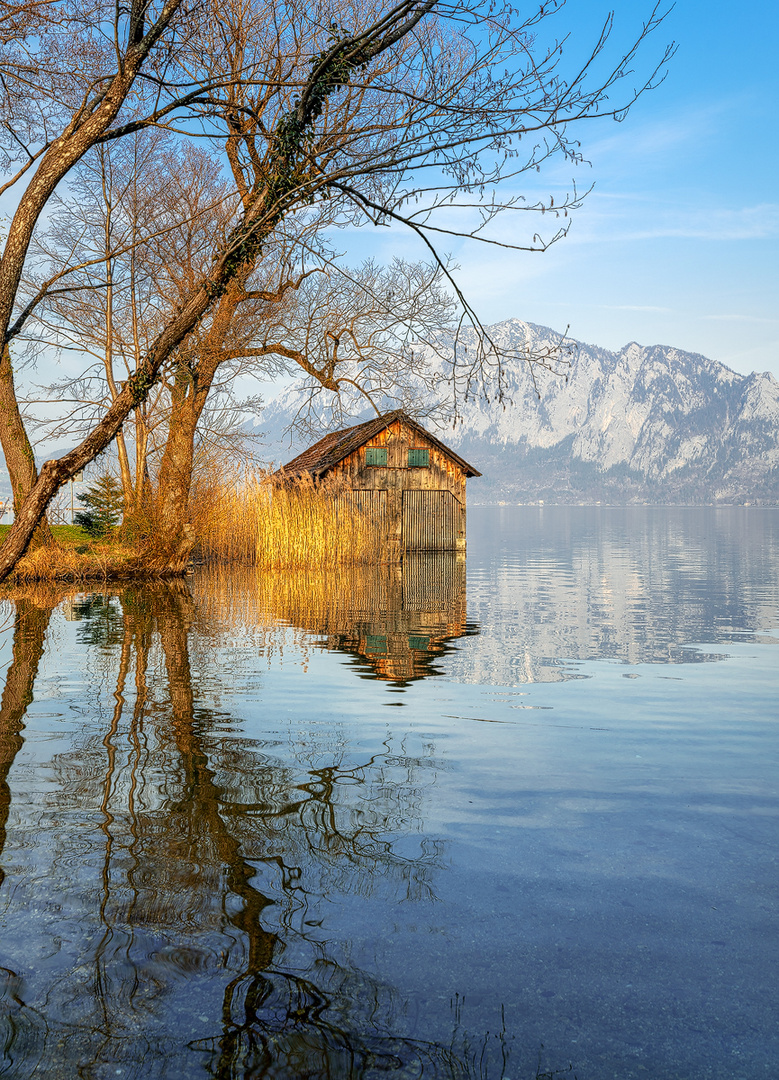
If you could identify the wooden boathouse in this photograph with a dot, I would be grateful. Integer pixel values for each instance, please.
(400, 474)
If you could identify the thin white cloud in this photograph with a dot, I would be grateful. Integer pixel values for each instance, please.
(687, 126)
(739, 318)
(601, 221)
(635, 307)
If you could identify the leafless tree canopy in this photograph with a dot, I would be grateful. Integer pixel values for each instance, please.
(341, 112)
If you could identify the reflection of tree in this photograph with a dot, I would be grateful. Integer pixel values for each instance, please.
(31, 620)
(101, 620)
(192, 875)
(276, 1022)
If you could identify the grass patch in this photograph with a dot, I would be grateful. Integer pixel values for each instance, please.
(70, 535)
(75, 556)
(63, 534)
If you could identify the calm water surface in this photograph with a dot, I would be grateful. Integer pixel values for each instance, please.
(374, 824)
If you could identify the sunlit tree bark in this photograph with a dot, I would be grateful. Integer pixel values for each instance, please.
(17, 449)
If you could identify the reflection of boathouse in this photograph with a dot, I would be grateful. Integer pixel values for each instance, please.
(401, 475)
(394, 620)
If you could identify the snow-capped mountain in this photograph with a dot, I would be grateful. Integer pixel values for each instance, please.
(647, 423)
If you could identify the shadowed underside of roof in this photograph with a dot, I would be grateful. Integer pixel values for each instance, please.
(333, 448)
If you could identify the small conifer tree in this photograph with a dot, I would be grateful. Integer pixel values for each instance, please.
(105, 504)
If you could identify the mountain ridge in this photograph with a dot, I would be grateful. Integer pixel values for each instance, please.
(641, 424)
(645, 423)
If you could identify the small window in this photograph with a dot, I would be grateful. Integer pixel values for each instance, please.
(376, 455)
(418, 457)
(419, 642)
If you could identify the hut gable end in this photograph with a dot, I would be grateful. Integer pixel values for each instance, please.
(403, 456)
(400, 472)
(396, 429)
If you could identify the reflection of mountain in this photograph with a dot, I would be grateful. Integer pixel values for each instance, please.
(170, 914)
(395, 621)
(639, 585)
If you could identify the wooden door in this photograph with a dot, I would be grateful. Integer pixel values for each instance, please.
(431, 520)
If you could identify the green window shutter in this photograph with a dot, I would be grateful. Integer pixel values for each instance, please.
(418, 457)
(376, 643)
(376, 455)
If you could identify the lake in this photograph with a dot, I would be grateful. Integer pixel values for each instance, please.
(503, 818)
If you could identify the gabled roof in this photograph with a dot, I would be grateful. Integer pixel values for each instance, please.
(331, 450)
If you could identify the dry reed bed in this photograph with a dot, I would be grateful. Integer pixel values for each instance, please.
(273, 526)
(257, 523)
(63, 563)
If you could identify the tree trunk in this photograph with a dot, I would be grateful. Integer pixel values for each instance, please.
(141, 460)
(19, 457)
(175, 477)
(128, 490)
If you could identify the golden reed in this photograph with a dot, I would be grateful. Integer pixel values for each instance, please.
(255, 522)
(275, 526)
(62, 562)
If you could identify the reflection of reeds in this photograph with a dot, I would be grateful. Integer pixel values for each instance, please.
(44, 594)
(397, 617)
(426, 590)
(333, 600)
(304, 524)
(330, 600)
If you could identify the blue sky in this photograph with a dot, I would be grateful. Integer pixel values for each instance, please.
(678, 242)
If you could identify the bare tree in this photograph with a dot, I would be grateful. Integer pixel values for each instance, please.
(106, 309)
(351, 333)
(395, 113)
(65, 82)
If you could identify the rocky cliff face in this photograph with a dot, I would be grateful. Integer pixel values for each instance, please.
(645, 424)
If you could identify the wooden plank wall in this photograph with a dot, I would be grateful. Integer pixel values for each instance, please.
(422, 509)
(431, 520)
(372, 503)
